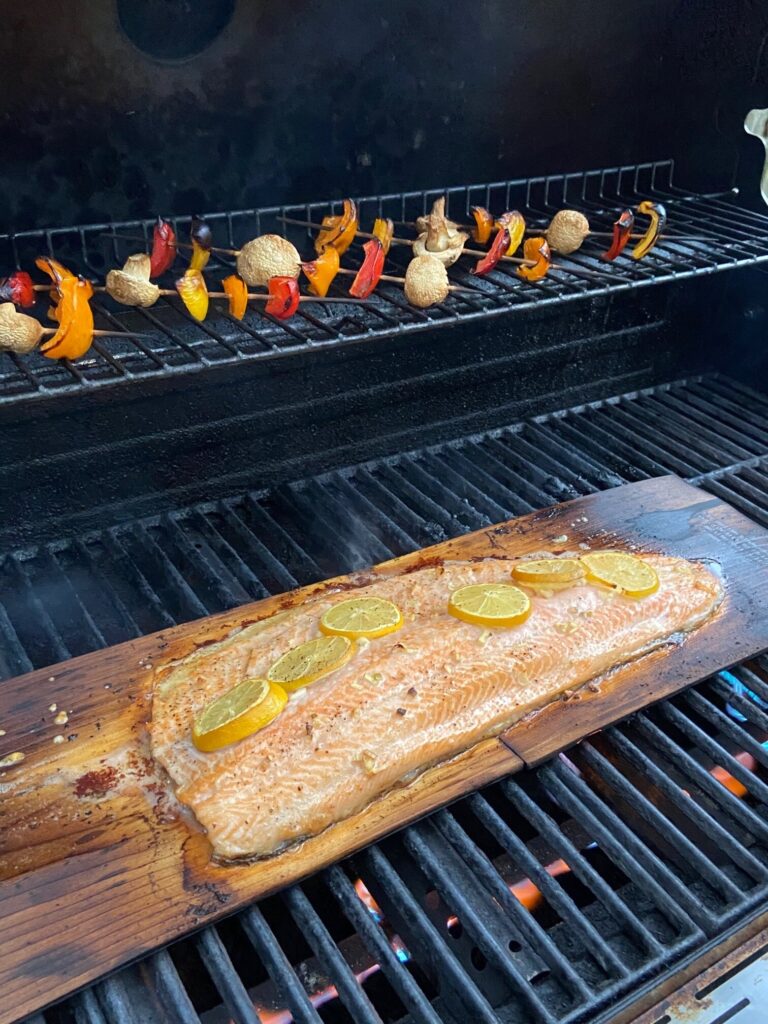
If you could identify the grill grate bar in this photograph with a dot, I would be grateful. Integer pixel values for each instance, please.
(58, 648)
(623, 846)
(741, 738)
(350, 992)
(14, 659)
(214, 955)
(697, 815)
(547, 433)
(456, 886)
(170, 991)
(534, 492)
(470, 469)
(229, 556)
(396, 899)
(373, 936)
(420, 529)
(204, 564)
(737, 809)
(126, 569)
(529, 929)
(547, 827)
(262, 521)
(556, 896)
(279, 967)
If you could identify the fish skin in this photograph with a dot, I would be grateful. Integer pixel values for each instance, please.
(343, 741)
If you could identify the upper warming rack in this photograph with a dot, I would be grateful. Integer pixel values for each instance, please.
(725, 236)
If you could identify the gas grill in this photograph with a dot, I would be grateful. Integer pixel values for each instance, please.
(203, 465)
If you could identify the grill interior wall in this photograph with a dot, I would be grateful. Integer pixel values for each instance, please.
(261, 424)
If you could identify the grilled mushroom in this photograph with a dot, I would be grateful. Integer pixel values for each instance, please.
(268, 256)
(426, 281)
(18, 332)
(131, 285)
(567, 231)
(438, 209)
(440, 237)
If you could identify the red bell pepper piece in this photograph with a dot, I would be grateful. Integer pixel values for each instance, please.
(494, 254)
(163, 248)
(369, 273)
(284, 297)
(18, 289)
(622, 229)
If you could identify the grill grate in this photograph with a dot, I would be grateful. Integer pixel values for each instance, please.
(177, 344)
(545, 897)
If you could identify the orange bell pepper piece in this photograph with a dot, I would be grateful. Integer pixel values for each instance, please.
(514, 222)
(237, 290)
(321, 272)
(483, 224)
(194, 294)
(383, 229)
(73, 312)
(338, 231)
(535, 249)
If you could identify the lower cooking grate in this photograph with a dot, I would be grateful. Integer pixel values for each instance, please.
(545, 897)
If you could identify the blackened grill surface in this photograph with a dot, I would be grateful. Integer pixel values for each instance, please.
(640, 855)
(726, 236)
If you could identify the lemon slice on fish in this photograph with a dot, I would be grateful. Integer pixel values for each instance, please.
(310, 661)
(549, 570)
(238, 713)
(490, 604)
(623, 572)
(361, 617)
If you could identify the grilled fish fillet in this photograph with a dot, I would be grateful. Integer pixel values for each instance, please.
(404, 701)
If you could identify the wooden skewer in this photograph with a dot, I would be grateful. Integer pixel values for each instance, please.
(592, 234)
(255, 297)
(105, 334)
(179, 245)
(252, 296)
(401, 280)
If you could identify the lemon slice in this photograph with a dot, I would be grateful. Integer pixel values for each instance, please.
(624, 572)
(490, 604)
(549, 570)
(238, 713)
(310, 661)
(361, 616)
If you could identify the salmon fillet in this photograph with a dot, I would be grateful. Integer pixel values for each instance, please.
(404, 701)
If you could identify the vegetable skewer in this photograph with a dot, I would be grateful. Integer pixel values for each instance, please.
(576, 271)
(21, 333)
